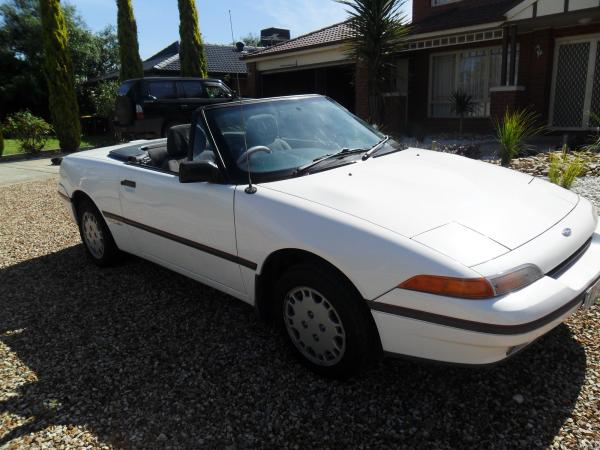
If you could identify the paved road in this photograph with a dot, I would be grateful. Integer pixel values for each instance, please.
(30, 170)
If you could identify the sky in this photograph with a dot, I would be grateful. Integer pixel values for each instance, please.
(158, 20)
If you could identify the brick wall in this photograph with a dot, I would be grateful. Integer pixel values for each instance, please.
(514, 99)
(535, 70)
(252, 82)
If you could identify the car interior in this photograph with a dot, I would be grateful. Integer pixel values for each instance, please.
(168, 155)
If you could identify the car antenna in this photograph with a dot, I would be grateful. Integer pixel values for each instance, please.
(251, 189)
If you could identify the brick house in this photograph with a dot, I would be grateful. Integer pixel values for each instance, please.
(544, 55)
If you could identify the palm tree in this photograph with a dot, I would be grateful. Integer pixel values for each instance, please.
(462, 104)
(377, 32)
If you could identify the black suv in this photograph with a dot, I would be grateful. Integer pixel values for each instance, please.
(148, 107)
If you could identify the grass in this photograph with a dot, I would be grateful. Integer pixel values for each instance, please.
(12, 146)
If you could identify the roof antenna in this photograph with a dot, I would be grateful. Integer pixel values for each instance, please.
(251, 189)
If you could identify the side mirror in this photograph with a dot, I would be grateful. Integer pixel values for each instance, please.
(199, 172)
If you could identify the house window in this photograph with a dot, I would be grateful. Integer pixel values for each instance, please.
(473, 71)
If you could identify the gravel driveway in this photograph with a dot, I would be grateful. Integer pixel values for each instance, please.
(139, 357)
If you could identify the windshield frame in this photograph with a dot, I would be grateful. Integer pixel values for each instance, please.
(240, 176)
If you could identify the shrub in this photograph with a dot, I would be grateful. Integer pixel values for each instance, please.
(191, 50)
(462, 104)
(1, 142)
(129, 51)
(58, 68)
(103, 97)
(512, 131)
(595, 145)
(564, 169)
(31, 131)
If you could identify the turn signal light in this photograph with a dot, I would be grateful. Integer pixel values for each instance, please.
(469, 288)
(475, 288)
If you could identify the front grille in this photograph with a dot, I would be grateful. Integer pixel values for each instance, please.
(570, 261)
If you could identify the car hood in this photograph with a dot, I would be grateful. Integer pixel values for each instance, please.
(416, 191)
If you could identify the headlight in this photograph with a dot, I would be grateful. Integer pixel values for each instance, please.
(516, 279)
(475, 288)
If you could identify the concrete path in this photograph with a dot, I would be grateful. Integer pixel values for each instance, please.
(29, 170)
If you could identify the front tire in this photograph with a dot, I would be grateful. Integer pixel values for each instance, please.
(97, 240)
(325, 321)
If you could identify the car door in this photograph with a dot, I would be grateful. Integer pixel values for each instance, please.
(186, 227)
(191, 95)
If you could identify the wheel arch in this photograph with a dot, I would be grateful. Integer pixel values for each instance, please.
(276, 264)
(77, 198)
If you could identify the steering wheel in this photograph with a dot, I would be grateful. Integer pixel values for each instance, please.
(248, 153)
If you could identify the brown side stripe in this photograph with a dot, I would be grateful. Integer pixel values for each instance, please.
(479, 327)
(184, 241)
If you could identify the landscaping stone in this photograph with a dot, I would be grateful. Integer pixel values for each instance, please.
(137, 356)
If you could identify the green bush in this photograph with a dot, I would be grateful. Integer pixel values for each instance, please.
(103, 98)
(59, 74)
(129, 50)
(512, 131)
(191, 50)
(595, 145)
(31, 131)
(564, 169)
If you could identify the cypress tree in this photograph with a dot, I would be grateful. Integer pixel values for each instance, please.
(58, 68)
(191, 48)
(129, 50)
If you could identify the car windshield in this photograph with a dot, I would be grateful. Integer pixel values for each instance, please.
(279, 136)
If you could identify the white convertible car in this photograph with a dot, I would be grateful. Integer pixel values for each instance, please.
(354, 246)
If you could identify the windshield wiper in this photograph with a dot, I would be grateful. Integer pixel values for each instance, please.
(375, 148)
(342, 154)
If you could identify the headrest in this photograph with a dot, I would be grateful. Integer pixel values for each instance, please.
(261, 129)
(178, 141)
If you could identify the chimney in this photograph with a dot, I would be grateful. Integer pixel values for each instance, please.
(273, 36)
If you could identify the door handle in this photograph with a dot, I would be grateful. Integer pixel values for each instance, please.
(128, 183)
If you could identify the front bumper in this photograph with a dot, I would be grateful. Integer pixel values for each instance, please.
(477, 332)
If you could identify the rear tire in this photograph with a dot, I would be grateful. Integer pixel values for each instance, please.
(97, 240)
(325, 321)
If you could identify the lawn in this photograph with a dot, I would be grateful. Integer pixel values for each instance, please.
(12, 147)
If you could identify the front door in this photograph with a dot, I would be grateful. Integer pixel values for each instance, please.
(576, 84)
(187, 227)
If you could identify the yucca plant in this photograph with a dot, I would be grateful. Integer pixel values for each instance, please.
(512, 131)
(377, 34)
(565, 170)
(462, 104)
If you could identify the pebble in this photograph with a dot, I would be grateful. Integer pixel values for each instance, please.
(126, 355)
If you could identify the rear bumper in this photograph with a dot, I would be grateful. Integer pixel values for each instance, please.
(483, 331)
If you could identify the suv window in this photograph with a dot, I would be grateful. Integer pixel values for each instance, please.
(192, 89)
(124, 88)
(214, 90)
(161, 89)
